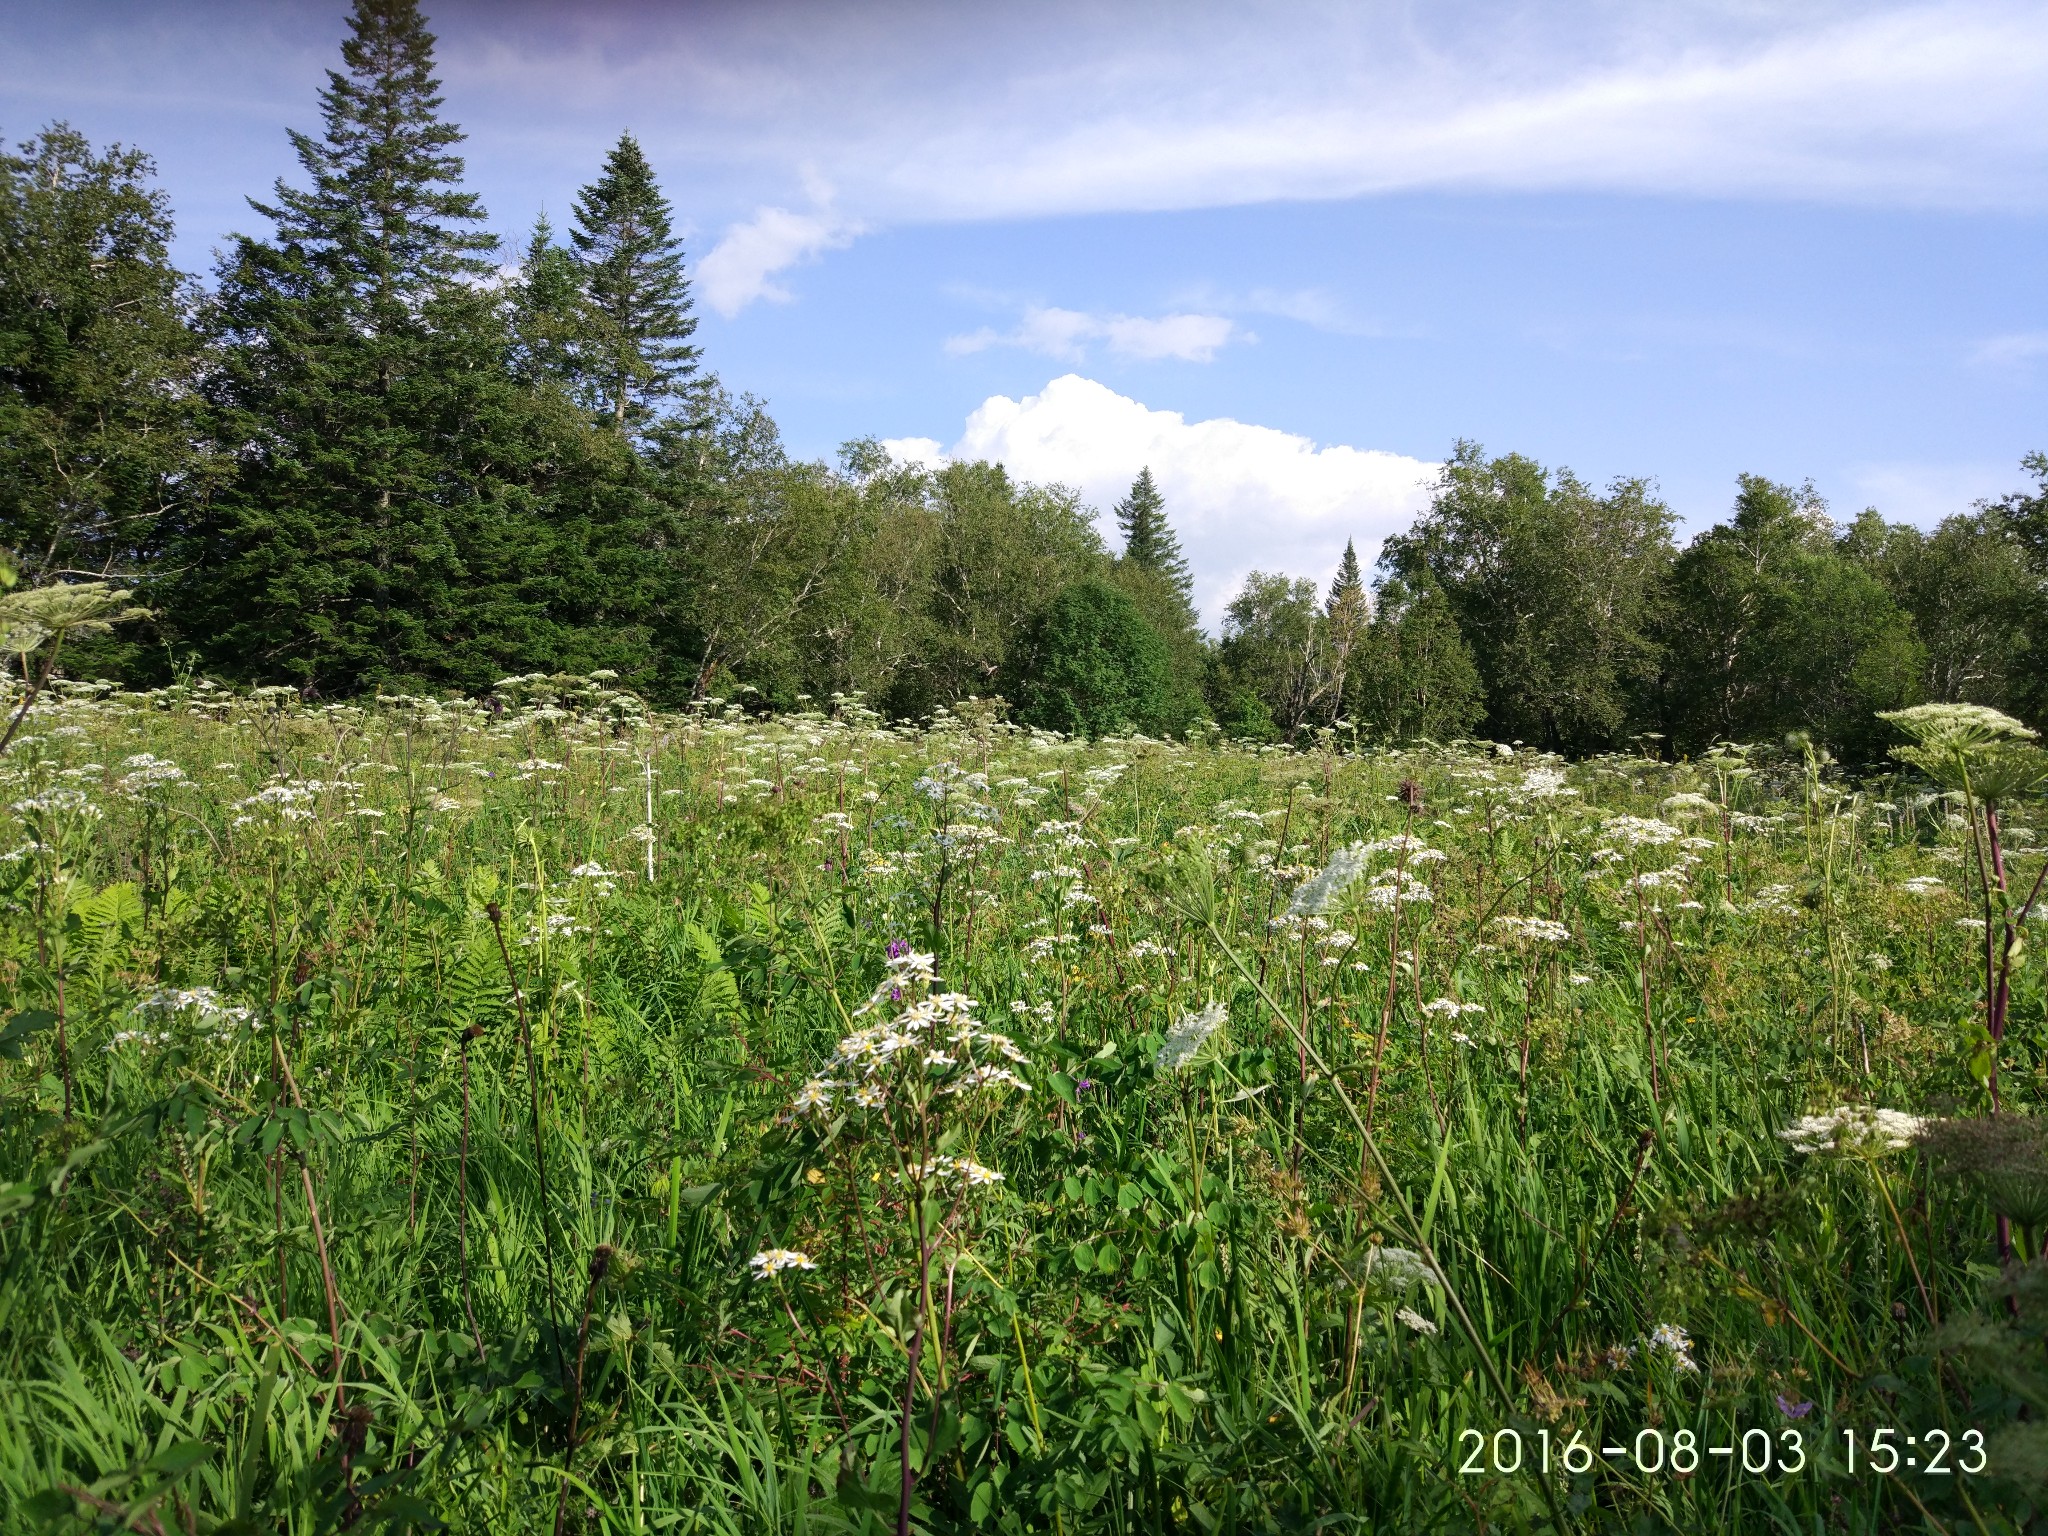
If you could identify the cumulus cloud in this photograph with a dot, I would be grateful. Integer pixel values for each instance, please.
(742, 266)
(1241, 496)
(1067, 333)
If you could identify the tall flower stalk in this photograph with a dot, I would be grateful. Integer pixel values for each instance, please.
(917, 1088)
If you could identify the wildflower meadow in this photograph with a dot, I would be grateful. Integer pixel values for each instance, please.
(544, 1114)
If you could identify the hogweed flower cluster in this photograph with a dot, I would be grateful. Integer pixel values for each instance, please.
(1854, 1128)
(1317, 895)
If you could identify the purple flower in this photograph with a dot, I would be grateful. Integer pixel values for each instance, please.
(898, 947)
(1084, 1085)
(1793, 1410)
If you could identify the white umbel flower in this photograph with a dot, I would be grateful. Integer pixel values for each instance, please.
(1854, 1128)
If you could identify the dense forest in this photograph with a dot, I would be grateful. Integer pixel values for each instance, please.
(380, 449)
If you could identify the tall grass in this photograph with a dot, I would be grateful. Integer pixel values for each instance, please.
(379, 1023)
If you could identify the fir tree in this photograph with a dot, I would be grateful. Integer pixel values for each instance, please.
(1149, 540)
(1346, 614)
(550, 323)
(383, 215)
(1347, 587)
(633, 277)
(376, 528)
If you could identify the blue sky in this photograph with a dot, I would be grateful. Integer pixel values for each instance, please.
(1285, 253)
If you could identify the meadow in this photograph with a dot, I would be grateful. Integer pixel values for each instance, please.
(541, 1115)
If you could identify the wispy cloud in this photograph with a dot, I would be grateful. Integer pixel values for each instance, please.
(921, 111)
(742, 266)
(2015, 349)
(1921, 105)
(1240, 495)
(1067, 334)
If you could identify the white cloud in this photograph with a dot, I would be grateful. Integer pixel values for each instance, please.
(1917, 105)
(2014, 350)
(1240, 496)
(1066, 333)
(922, 111)
(742, 266)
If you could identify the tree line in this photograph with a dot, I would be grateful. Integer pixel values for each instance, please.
(378, 451)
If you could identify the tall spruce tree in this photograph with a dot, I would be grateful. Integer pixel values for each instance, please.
(1347, 617)
(1149, 540)
(550, 321)
(639, 299)
(377, 527)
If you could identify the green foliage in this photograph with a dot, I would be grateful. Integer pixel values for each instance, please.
(1556, 590)
(1972, 593)
(1773, 627)
(251, 976)
(377, 529)
(1270, 651)
(638, 306)
(97, 437)
(1413, 678)
(1094, 666)
(998, 553)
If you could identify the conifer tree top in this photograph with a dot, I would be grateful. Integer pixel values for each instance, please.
(633, 278)
(1149, 539)
(1347, 582)
(385, 185)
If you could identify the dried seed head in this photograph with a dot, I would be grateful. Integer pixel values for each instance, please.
(1411, 794)
(493, 912)
(352, 1428)
(474, 1032)
(600, 1262)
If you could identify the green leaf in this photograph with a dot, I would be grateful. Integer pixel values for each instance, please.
(180, 1457)
(16, 1034)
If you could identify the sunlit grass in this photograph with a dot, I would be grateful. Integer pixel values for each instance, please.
(389, 1089)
